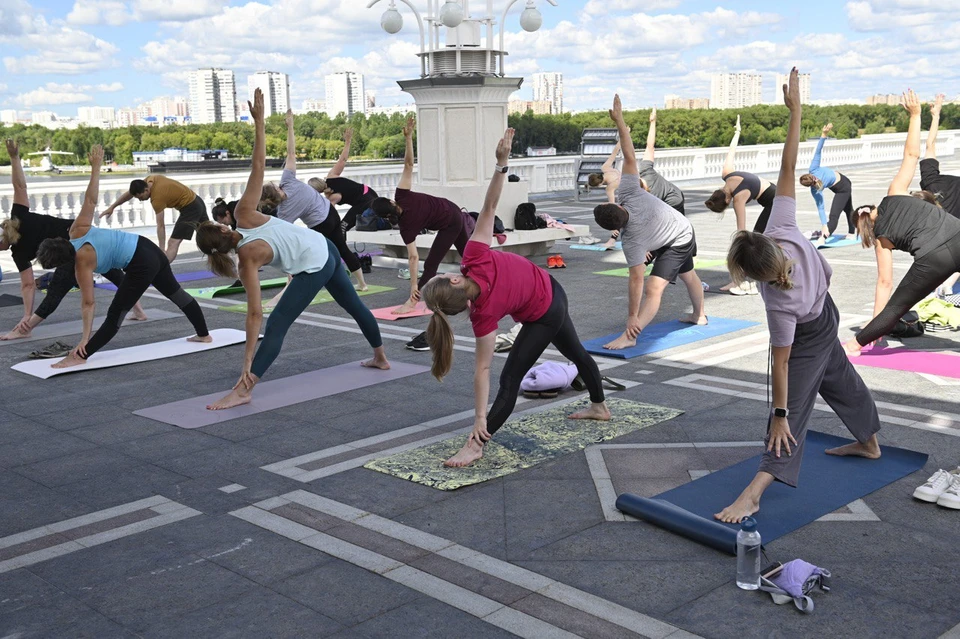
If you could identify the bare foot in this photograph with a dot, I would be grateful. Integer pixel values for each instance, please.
(361, 287)
(15, 334)
(599, 412)
(726, 289)
(621, 343)
(870, 450)
(407, 307)
(851, 236)
(735, 512)
(377, 362)
(69, 361)
(235, 398)
(206, 339)
(690, 318)
(137, 315)
(470, 453)
(610, 244)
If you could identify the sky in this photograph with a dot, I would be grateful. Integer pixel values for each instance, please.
(61, 54)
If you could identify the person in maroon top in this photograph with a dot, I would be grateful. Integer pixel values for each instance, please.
(492, 285)
(414, 212)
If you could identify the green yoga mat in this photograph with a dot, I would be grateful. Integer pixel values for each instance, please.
(522, 442)
(322, 296)
(625, 272)
(211, 292)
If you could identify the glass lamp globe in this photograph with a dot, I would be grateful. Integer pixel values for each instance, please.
(391, 21)
(530, 19)
(451, 14)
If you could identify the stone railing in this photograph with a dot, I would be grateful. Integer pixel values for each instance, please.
(543, 174)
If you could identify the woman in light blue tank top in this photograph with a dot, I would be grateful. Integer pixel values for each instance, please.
(98, 250)
(309, 257)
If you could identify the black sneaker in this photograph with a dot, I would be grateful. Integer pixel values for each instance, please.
(419, 343)
(237, 284)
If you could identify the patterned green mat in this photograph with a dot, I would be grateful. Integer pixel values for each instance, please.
(211, 292)
(522, 442)
(698, 263)
(322, 296)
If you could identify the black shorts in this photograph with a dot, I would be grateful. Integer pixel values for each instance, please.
(190, 217)
(670, 261)
(679, 207)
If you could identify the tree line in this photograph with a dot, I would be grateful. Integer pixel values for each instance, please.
(379, 137)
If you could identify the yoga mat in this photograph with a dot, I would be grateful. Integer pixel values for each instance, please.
(596, 247)
(625, 272)
(181, 277)
(277, 393)
(216, 291)
(903, 359)
(420, 310)
(134, 355)
(658, 512)
(322, 297)
(658, 337)
(837, 241)
(826, 484)
(10, 300)
(51, 331)
(523, 442)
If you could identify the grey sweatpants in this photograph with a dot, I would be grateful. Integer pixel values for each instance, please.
(819, 365)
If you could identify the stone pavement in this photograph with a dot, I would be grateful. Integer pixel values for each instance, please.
(114, 525)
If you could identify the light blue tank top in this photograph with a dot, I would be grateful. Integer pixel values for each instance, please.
(114, 249)
(296, 249)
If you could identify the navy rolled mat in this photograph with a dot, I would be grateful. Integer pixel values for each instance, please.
(658, 512)
(826, 483)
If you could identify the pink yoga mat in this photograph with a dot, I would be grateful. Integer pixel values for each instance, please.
(902, 359)
(387, 313)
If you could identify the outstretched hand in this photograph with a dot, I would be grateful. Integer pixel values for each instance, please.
(256, 107)
(911, 102)
(96, 156)
(791, 90)
(653, 115)
(616, 113)
(504, 146)
(348, 135)
(937, 105)
(828, 127)
(736, 127)
(13, 148)
(289, 118)
(409, 127)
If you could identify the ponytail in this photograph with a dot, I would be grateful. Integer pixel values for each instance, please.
(754, 256)
(10, 230)
(216, 245)
(865, 225)
(440, 338)
(783, 281)
(319, 184)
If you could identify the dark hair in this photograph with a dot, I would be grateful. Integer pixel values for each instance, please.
(138, 186)
(717, 202)
(270, 195)
(54, 252)
(809, 179)
(865, 225)
(595, 179)
(927, 196)
(383, 207)
(611, 217)
(222, 209)
(216, 245)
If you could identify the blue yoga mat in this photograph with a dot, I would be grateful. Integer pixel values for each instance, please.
(837, 241)
(659, 337)
(596, 247)
(826, 484)
(181, 277)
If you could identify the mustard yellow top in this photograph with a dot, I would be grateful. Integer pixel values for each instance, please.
(168, 194)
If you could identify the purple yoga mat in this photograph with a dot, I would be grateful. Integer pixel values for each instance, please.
(181, 277)
(902, 359)
(193, 413)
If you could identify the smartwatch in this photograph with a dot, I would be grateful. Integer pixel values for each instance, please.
(780, 412)
(501, 169)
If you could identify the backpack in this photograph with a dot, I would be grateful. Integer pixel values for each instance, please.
(526, 218)
(498, 227)
(908, 326)
(370, 221)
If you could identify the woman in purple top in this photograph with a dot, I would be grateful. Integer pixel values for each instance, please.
(808, 359)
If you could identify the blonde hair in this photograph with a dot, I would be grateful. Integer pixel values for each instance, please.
(443, 298)
(11, 230)
(216, 245)
(271, 195)
(755, 256)
(318, 184)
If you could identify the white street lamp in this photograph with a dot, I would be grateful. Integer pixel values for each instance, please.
(391, 21)
(451, 14)
(530, 19)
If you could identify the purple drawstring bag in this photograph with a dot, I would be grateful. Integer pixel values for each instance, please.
(795, 582)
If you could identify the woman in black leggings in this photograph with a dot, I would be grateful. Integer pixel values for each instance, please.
(340, 190)
(96, 250)
(492, 285)
(22, 234)
(911, 224)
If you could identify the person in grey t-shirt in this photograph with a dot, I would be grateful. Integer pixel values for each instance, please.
(649, 225)
(653, 182)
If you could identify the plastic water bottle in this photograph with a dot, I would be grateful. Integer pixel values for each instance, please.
(748, 555)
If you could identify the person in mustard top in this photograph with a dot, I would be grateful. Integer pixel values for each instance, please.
(163, 194)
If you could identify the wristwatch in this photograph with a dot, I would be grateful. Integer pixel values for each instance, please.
(780, 412)
(501, 169)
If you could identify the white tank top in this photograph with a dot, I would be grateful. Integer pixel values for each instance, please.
(296, 249)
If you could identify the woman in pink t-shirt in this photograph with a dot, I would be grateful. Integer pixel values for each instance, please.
(492, 285)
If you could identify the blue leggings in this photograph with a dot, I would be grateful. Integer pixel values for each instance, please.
(303, 288)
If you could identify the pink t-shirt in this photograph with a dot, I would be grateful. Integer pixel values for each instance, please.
(509, 285)
(810, 275)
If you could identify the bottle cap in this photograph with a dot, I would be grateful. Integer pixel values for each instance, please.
(748, 524)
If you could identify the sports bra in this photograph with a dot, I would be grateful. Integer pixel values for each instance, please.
(748, 181)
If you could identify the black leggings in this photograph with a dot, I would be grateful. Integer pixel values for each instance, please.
(148, 266)
(924, 276)
(64, 279)
(766, 201)
(842, 201)
(453, 235)
(555, 327)
(330, 229)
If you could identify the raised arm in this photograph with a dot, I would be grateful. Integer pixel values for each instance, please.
(291, 163)
(786, 183)
(651, 136)
(17, 178)
(84, 221)
(815, 161)
(406, 178)
(341, 164)
(728, 163)
(123, 199)
(629, 154)
(934, 127)
(911, 149)
(246, 213)
(484, 229)
(612, 160)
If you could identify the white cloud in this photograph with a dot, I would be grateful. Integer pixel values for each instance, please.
(603, 7)
(885, 15)
(119, 12)
(53, 93)
(109, 12)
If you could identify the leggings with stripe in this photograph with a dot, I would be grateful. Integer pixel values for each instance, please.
(842, 203)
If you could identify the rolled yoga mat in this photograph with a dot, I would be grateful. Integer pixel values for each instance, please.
(903, 359)
(827, 482)
(216, 291)
(181, 277)
(75, 327)
(658, 337)
(658, 512)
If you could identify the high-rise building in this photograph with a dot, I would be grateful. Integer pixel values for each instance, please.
(371, 98)
(676, 102)
(43, 117)
(126, 117)
(8, 116)
(276, 90)
(735, 90)
(310, 105)
(213, 96)
(99, 117)
(548, 87)
(539, 107)
(344, 94)
(783, 78)
(891, 99)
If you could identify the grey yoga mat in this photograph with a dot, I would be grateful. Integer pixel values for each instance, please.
(63, 329)
(193, 413)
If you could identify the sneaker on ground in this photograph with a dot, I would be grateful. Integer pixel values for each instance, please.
(404, 274)
(419, 343)
(742, 289)
(935, 486)
(951, 496)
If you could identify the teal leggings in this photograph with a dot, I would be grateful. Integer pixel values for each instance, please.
(304, 287)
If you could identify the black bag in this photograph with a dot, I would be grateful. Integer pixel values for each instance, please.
(370, 221)
(498, 228)
(908, 326)
(526, 218)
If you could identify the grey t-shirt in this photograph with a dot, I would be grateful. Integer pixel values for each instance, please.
(303, 201)
(653, 224)
(660, 186)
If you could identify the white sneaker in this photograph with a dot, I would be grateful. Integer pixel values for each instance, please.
(950, 498)
(935, 486)
(742, 289)
(752, 288)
